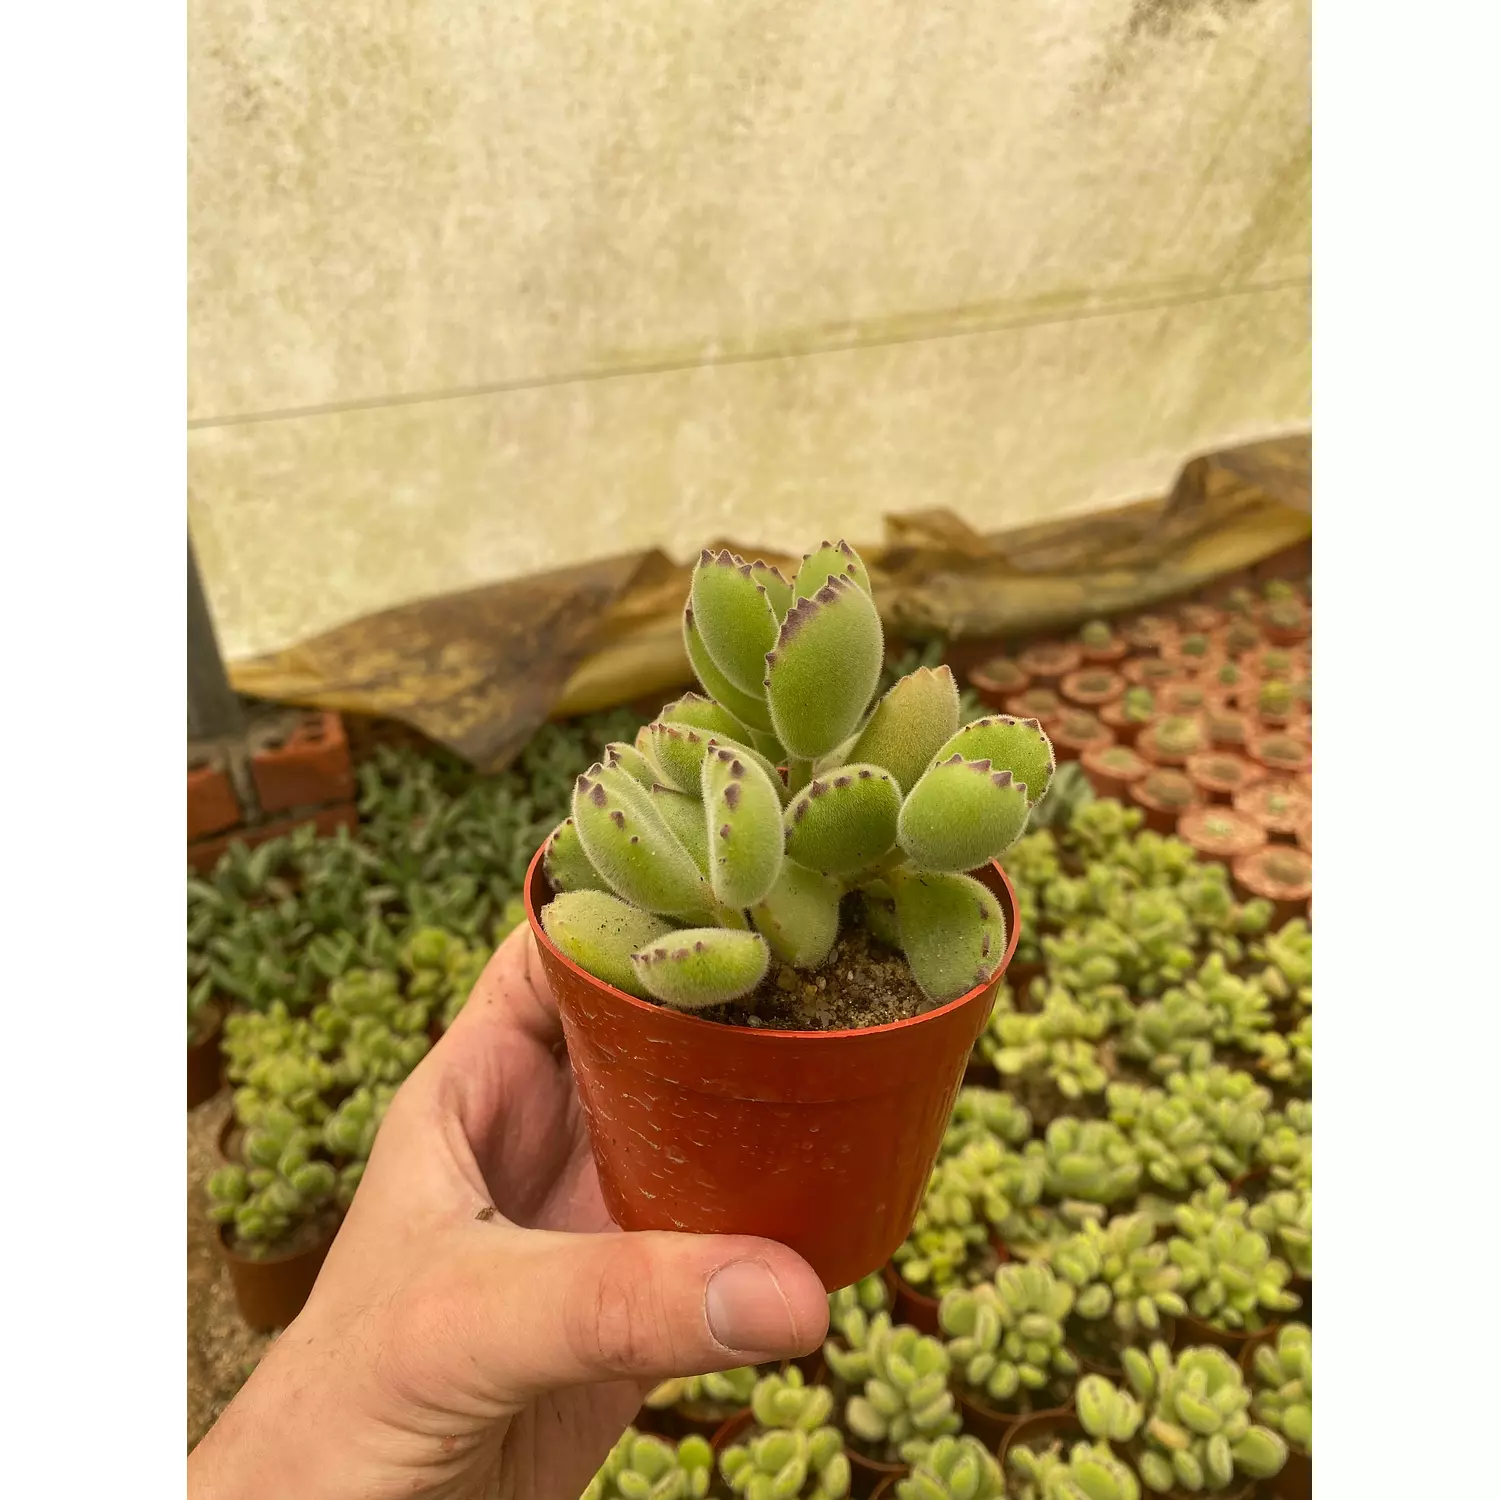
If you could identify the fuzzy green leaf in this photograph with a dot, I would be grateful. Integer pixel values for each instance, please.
(567, 866)
(630, 845)
(1016, 745)
(799, 917)
(599, 932)
(952, 931)
(830, 560)
(679, 751)
(743, 817)
(778, 590)
(825, 667)
(633, 762)
(735, 618)
(962, 814)
(702, 966)
(703, 713)
(685, 816)
(910, 725)
(843, 821)
(750, 709)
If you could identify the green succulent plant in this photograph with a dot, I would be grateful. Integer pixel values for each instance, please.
(1285, 1149)
(1281, 1376)
(726, 1390)
(948, 1242)
(644, 1467)
(1087, 1471)
(1138, 705)
(1230, 1275)
(847, 1351)
(952, 1468)
(1285, 1218)
(1287, 1059)
(905, 1401)
(1120, 1271)
(1091, 1160)
(1097, 635)
(1175, 1143)
(280, 1187)
(979, 1113)
(1100, 828)
(1197, 1432)
(687, 863)
(854, 1306)
(348, 1134)
(1058, 1044)
(796, 1454)
(1172, 789)
(1006, 1338)
(1170, 1034)
(1068, 794)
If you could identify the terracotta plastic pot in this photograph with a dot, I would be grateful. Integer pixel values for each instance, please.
(1266, 750)
(678, 1422)
(1304, 834)
(211, 803)
(205, 1066)
(1218, 774)
(1112, 768)
(1041, 704)
(1160, 814)
(1151, 671)
(911, 1305)
(1220, 832)
(270, 1293)
(995, 681)
(1127, 731)
(821, 1140)
(1040, 1429)
(1077, 730)
(1255, 875)
(1192, 1332)
(1278, 806)
(1149, 632)
(1111, 1368)
(1286, 636)
(1150, 747)
(1048, 662)
(1105, 656)
(1092, 687)
(1199, 619)
(989, 1424)
(1186, 699)
(1227, 729)
(310, 768)
(869, 1477)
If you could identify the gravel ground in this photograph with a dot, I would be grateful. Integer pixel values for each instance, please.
(221, 1350)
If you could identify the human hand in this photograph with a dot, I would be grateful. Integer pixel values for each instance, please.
(480, 1328)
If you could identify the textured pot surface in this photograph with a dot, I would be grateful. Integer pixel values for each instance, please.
(821, 1140)
(205, 1066)
(270, 1293)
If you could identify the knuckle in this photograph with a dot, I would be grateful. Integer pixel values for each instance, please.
(620, 1322)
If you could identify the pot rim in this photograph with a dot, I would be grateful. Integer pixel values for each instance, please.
(535, 875)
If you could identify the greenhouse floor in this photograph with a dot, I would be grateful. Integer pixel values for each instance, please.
(221, 1350)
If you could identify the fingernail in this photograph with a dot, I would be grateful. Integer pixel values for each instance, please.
(747, 1310)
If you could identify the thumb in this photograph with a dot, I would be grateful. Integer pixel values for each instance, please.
(547, 1310)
